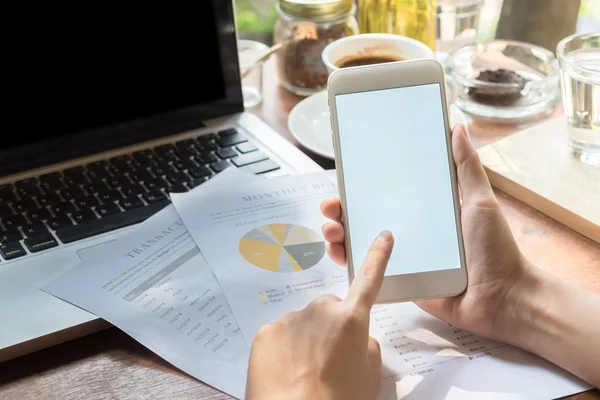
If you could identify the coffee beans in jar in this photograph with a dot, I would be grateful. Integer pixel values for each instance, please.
(305, 28)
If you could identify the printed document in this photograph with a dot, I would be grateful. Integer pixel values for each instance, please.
(155, 285)
(263, 241)
(426, 358)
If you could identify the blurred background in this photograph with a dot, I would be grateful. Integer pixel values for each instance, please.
(256, 18)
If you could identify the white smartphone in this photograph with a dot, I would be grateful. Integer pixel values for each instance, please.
(395, 172)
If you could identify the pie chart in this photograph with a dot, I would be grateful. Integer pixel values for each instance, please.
(282, 247)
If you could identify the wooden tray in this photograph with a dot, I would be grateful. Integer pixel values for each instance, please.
(534, 166)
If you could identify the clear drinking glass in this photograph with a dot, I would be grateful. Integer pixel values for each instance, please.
(252, 84)
(457, 22)
(579, 60)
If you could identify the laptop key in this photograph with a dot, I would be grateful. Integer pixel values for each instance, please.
(231, 140)
(131, 202)
(37, 214)
(83, 216)
(24, 205)
(155, 184)
(10, 235)
(118, 181)
(154, 196)
(199, 172)
(74, 171)
(6, 188)
(109, 195)
(72, 192)
(35, 228)
(249, 158)
(5, 210)
(12, 250)
(124, 162)
(206, 159)
(48, 199)
(51, 177)
(132, 189)
(177, 177)
(58, 222)
(184, 163)
(43, 241)
(227, 152)
(206, 148)
(29, 191)
(162, 169)
(246, 147)
(62, 208)
(178, 188)
(220, 166)
(7, 197)
(97, 187)
(140, 175)
(13, 221)
(261, 167)
(98, 175)
(86, 202)
(97, 165)
(109, 223)
(107, 209)
(28, 182)
(227, 132)
(197, 182)
(145, 157)
(206, 138)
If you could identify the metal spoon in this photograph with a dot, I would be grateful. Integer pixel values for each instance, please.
(273, 49)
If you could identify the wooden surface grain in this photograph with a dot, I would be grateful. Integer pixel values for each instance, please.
(111, 365)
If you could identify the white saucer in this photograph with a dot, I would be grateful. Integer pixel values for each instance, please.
(309, 123)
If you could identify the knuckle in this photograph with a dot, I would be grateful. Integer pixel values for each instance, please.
(469, 157)
(486, 203)
(374, 346)
(324, 301)
(265, 331)
(351, 319)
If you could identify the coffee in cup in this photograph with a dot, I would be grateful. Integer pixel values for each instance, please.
(356, 60)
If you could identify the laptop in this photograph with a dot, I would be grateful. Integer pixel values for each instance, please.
(106, 112)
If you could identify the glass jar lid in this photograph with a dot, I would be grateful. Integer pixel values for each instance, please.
(316, 9)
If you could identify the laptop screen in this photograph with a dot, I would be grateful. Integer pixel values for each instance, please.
(82, 79)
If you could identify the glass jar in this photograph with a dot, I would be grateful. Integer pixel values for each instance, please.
(415, 19)
(304, 28)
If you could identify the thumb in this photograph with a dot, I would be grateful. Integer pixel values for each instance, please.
(472, 179)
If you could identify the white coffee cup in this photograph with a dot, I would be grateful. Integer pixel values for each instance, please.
(373, 45)
(379, 44)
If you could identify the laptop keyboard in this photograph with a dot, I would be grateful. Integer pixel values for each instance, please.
(41, 213)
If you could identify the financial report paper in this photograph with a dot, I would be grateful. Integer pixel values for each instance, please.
(263, 241)
(155, 285)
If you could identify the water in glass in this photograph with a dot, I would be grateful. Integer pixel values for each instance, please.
(580, 71)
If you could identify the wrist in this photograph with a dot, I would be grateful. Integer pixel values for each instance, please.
(525, 307)
(532, 315)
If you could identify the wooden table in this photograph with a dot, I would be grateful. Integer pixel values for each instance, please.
(109, 364)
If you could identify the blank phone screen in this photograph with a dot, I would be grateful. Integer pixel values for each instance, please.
(397, 176)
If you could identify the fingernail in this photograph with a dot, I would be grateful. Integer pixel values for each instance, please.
(385, 236)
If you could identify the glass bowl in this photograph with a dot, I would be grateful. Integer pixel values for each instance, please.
(504, 80)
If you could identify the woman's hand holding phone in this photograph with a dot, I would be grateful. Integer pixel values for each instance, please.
(495, 263)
